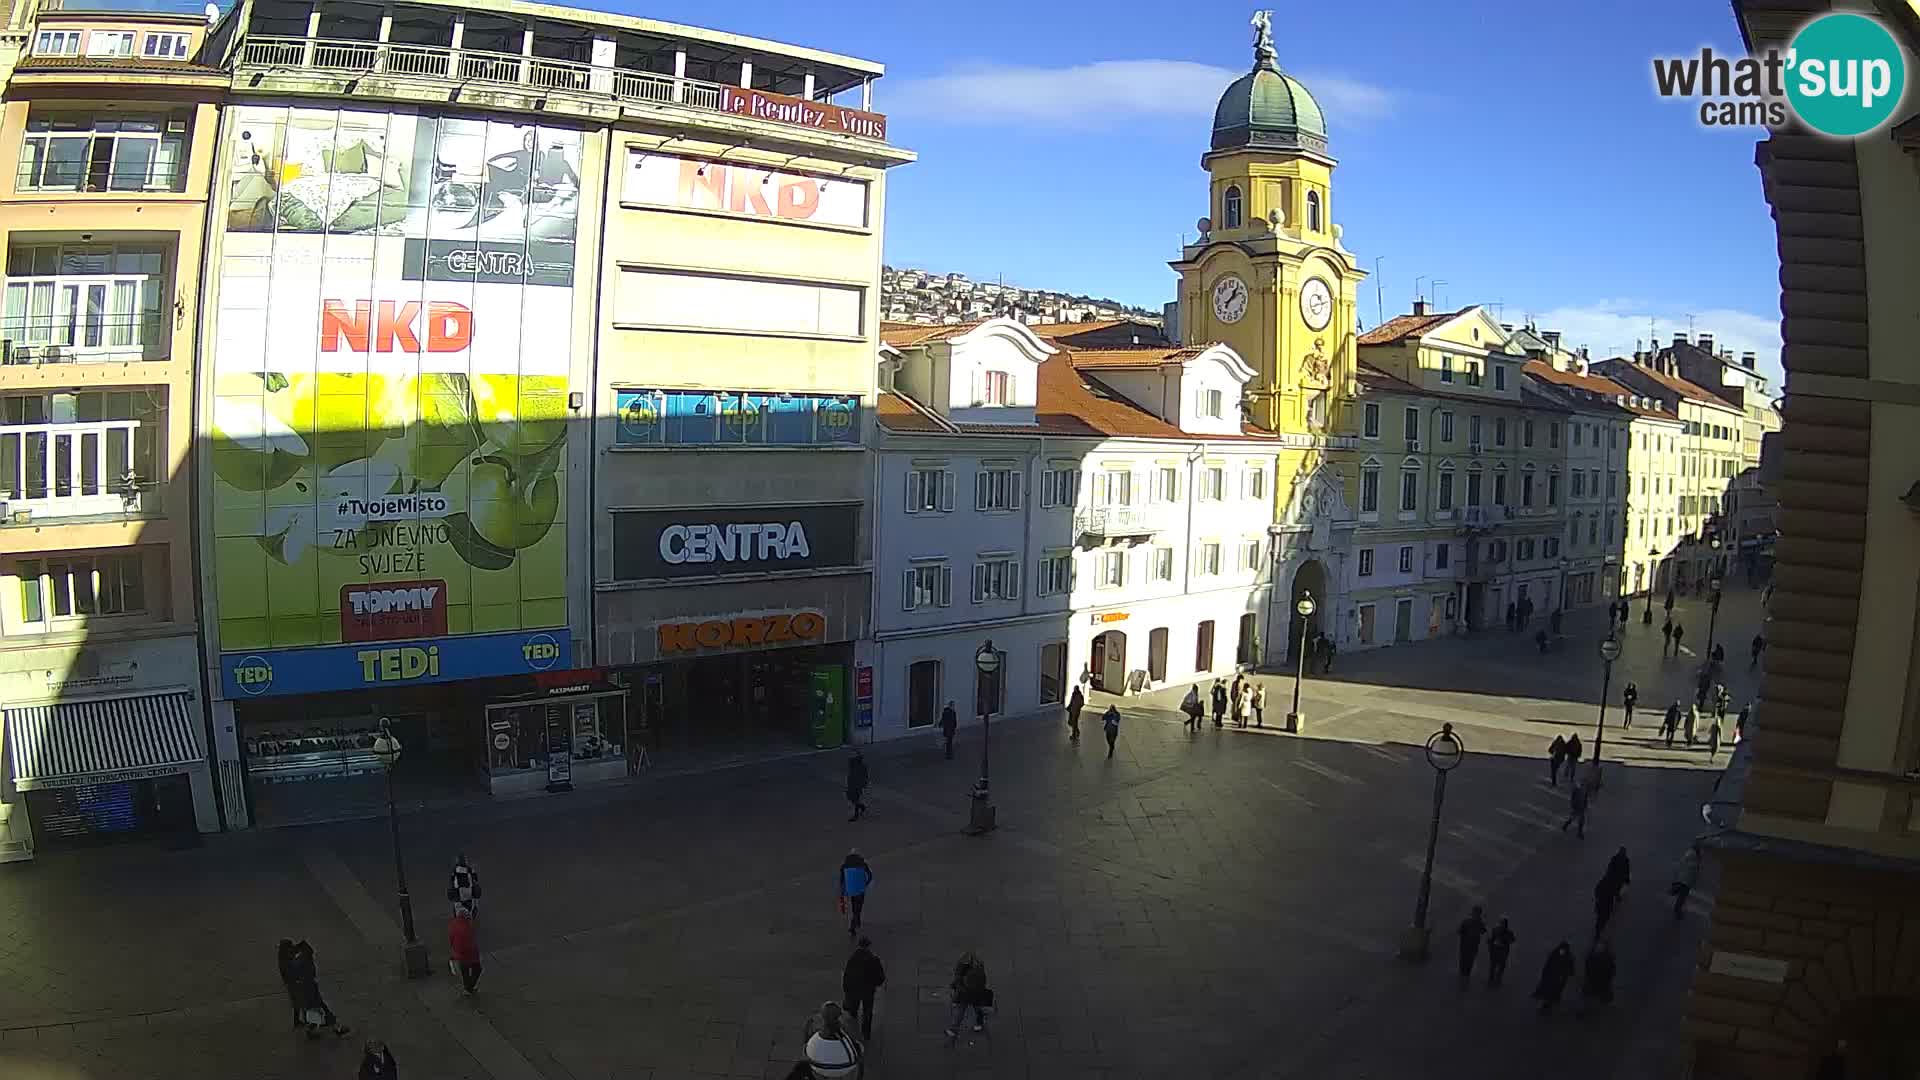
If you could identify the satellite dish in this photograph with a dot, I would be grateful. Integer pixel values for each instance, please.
(213, 14)
(1205, 224)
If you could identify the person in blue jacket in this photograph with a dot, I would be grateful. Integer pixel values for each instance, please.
(855, 877)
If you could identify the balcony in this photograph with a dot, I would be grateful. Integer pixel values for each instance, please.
(89, 469)
(108, 317)
(1115, 522)
(541, 75)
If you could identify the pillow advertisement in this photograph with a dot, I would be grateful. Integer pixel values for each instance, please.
(389, 423)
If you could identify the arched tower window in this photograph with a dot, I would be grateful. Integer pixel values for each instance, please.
(1230, 208)
(1313, 211)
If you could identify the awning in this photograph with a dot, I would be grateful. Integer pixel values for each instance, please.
(71, 743)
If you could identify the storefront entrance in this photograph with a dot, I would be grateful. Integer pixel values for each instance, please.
(743, 702)
(160, 808)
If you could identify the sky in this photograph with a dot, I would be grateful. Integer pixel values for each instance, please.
(1514, 150)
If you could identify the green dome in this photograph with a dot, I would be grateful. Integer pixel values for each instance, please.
(1267, 109)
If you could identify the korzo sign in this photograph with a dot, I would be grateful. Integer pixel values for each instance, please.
(782, 109)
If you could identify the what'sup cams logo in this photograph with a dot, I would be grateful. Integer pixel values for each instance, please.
(1842, 75)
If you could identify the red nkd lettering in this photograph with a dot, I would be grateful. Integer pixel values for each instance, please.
(390, 327)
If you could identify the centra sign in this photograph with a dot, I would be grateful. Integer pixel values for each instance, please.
(742, 542)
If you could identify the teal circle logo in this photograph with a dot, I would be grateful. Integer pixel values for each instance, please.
(1845, 74)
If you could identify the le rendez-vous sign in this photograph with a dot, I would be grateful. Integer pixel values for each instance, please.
(782, 109)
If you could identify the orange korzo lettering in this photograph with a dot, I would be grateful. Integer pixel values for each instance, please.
(676, 637)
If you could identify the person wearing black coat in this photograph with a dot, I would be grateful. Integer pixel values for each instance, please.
(1619, 867)
(377, 1063)
(1219, 702)
(305, 972)
(863, 978)
(857, 785)
(949, 724)
(284, 957)
(1554, 974)
(1499, 945)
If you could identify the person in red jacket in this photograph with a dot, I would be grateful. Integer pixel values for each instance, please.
(463, 945)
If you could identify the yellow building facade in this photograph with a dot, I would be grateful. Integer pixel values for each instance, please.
(1269, 277)
(111, 124)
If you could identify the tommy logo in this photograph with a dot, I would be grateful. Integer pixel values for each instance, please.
(393, 610)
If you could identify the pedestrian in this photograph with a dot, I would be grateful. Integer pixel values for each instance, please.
(1111, 724)
(1553, 977)
(1259, 705)
(1243, 705)
(463, 886)
(1513, 615)
(1620, 867)
(1191, 707)
(968, 990)
(315, 1013)
(1574, 751)
(1713, 739)
(1759, 646)
(1630, 697)
(1526, 610)
(1721, 700)
(1499, 945)
(856, 877)
(1596, 986)
(284, 959)
(1718, 655)
(1666, 629)
(1740, 724)
(1553, 621)
(1672, 723)
(463, 948)
(1236, 707)
(1684, 876)
(1692, 718)
(1556, 756)
(1074, 704)
(1219, 702)
(862, 979)
(857, 785)
(1576, 808)
(1669, 604)
(1606, 896)
(1540, 641)
(1703, 686)
(376, 1062)
(1326, 654)
(1679, 632)
(832, 1053)
(1472, 929)
(950, 723)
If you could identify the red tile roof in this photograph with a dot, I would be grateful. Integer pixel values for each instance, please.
(1401, 327)
(1681, 386)
(907, 335)
(1069, 329)
(1143, 357)
(119, 65)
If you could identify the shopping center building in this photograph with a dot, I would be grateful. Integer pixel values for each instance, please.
(111, 123)
(472, 265)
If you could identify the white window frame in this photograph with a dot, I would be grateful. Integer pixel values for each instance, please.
(1060, 486)
(929, 490)
(111, 44)
(1213, 404)
(1410, 423)
(996, 579)
(1370, 489)
(1113, 568)
(1213, 483)
(1370, 420)
(1253, 483)
(1207, 559)
(1161, 567)
(57, 43)
(929, 583)
(1366, 562)
(996, 388)
(164, 46)
(1113, 487)
(1446, 426)
(1055, 576)
(50, 581)
(1446, 489)
(996, 489)
(1409, 489)
(1165, 484)
(1406, 558)
(1250, 555)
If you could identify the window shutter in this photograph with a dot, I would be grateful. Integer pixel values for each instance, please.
(1015, 481)
(1013, 581)
(1099, 489)
(916, 483)
(979, 582)
(980, 489)
(907, 594)
(946, 585)
(946, 489)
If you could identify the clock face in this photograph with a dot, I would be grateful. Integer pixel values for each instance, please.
(1316, 303)
(1229, 299)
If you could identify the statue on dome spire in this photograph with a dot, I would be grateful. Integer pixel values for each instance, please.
(1263, 54)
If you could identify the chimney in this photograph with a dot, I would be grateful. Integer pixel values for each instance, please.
(1748, 359)
(1552, 338)
(1419, 307)
(1706, 343)
(1679, 339)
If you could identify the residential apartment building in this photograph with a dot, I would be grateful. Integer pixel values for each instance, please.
(1498, 437)
(1594, 439)
(1709, 448)
(540, 353)
(1102, 516)
(111, 119)
(1736, 379)
(1809, 965)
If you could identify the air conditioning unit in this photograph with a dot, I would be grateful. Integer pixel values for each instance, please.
(1413, 443)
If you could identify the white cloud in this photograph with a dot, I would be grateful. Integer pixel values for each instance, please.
(1611, 327)
(1107, 93)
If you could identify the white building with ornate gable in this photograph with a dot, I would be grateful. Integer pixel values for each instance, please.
(1101, 515)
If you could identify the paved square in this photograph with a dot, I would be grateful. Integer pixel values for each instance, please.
(1223, 904)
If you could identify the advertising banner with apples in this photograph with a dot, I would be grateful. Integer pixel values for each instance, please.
(389, 422)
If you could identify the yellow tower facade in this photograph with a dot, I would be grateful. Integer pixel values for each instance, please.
(1269, 276)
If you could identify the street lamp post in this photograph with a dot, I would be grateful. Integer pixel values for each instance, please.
(982, 816)
(1444, 752)
(413, 954)
(1653, 575)
(1609, 652)
(1305, 606)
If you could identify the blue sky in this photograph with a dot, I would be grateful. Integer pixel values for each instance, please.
(1514, 149)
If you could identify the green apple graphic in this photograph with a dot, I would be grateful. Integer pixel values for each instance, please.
(506, 509)
(253, 449)
(523, 416)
